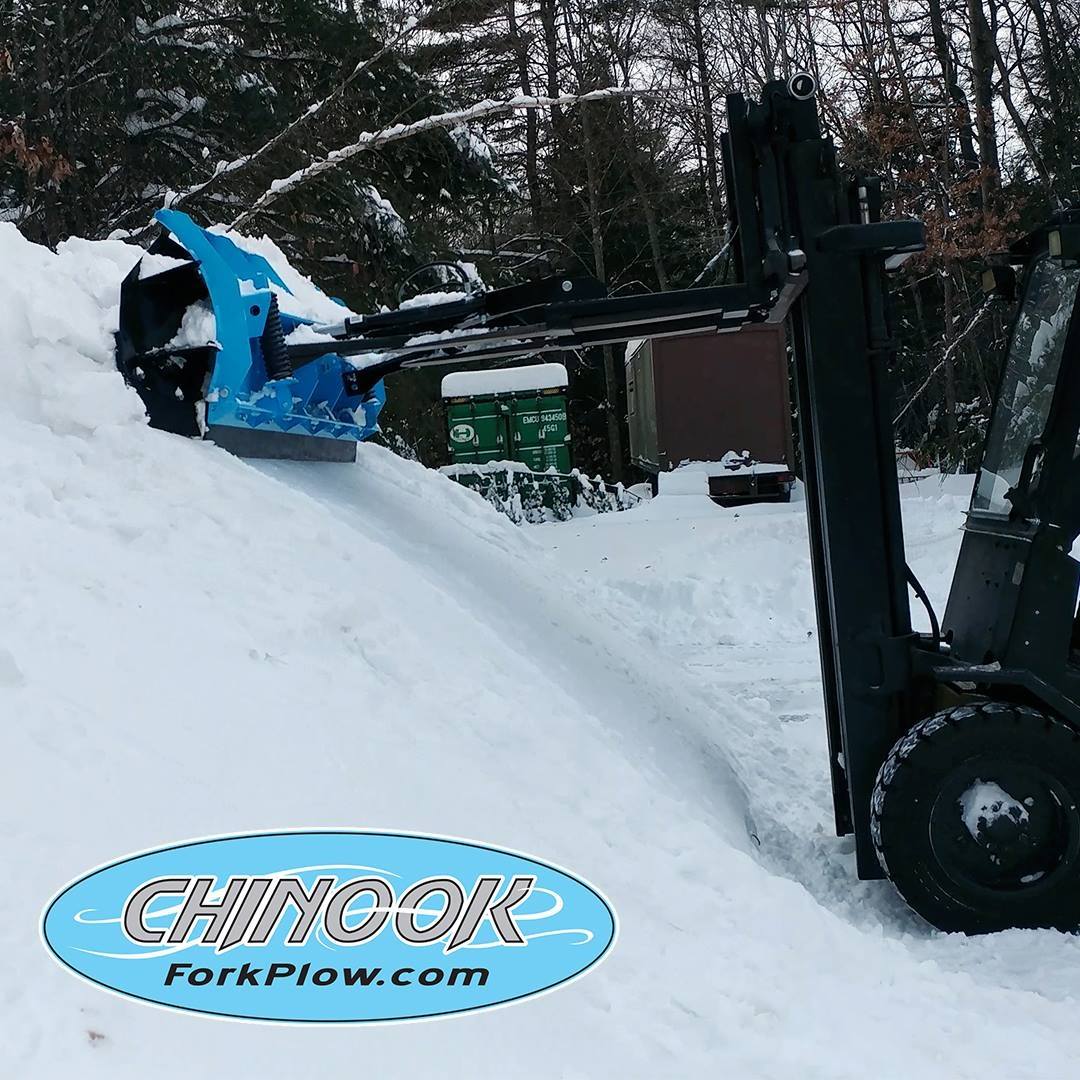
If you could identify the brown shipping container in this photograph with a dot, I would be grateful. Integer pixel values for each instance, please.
(694, 398)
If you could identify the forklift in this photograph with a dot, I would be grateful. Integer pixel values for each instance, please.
(954, 754)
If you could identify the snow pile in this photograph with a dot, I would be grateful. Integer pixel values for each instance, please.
(190, 645)
(304, 299)
(198, 327)
(59, 313)
(430, 299)
(692, 477)
(742, 463)
(306, 334)
(155, 263)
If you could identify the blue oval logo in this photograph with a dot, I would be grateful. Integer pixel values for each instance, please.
(329, 926)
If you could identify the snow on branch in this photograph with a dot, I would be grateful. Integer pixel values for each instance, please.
(956, 341)
(714, 262)
(372, 140)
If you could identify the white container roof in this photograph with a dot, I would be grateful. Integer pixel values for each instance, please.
(509, 380)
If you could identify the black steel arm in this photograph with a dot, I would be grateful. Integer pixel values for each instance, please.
(495, 305)
(518, 320)
(409, 331)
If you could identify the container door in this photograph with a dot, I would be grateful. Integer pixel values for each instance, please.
(641, 405)
(539, 432)
(477, 430)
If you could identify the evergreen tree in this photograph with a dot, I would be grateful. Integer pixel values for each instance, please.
(117, 108)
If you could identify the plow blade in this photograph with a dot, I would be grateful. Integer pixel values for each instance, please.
(204, 326)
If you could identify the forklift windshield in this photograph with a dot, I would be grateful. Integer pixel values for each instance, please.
(1028, 383)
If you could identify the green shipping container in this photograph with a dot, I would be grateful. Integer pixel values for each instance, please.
(509, 414)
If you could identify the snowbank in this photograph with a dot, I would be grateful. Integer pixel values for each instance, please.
(193, 645)
(59, 313)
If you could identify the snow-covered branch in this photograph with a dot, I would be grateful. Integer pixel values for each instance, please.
(956, 341)
(710, 267)
(372, 140)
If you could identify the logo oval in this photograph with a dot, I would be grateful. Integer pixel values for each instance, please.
(463, 433)
(329, 926)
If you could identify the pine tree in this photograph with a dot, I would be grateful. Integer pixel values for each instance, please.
(114, 109)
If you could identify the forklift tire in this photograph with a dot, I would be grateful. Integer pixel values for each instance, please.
(974, 817)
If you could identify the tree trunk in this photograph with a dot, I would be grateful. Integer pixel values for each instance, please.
(558, 129)
(952, 86)
(42, 127)
(612, 387)
(949, 372)
(648, 210)
(712, 176)
(532, 172)
(982, 77)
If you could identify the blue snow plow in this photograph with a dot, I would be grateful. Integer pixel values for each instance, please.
(219, 344)
(204, 325)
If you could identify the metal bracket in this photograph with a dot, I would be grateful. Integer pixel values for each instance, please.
(894, 654)
(886, 237)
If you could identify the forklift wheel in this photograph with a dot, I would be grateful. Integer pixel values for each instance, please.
(975, 819)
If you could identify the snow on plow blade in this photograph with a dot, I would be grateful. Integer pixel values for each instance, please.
(203, 324)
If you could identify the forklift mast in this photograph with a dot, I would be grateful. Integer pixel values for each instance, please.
(790, 205)
(842, 350)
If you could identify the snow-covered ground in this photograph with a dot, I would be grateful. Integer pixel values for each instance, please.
(190, 645)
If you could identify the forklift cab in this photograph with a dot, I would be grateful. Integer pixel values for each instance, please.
(1014, 595)
(975, 811)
